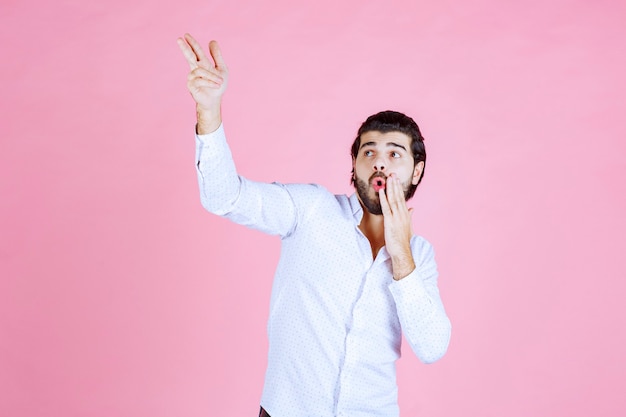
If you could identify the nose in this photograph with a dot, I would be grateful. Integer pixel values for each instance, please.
(379, 164)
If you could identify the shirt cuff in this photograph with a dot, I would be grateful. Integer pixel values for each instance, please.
(210, 144)
(410, 292)
(219, 132)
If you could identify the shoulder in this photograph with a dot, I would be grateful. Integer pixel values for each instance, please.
(423, 251)
(307, 194)
(315, 199)
(420, 242)
(316, 192)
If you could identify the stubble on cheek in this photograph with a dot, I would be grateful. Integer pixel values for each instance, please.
(371, 199)
(372, 204)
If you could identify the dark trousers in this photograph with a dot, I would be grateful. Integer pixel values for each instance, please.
(263, 413)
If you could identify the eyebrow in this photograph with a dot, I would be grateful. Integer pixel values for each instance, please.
(389, 144)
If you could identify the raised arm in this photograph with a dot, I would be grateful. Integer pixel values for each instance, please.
(266, 207)
(207, 81)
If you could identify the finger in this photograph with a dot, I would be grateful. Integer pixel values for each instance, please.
(384, 204)
(198, 51)
(397, 200)
(411, 219)
(198, 83)
(190, 56)
(393, 191)
(391, 187)
(204, 73)
(399, 192)
(216, 54)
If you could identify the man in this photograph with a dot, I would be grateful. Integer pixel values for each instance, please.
(351, 277)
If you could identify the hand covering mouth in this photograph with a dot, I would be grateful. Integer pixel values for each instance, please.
(378, 181)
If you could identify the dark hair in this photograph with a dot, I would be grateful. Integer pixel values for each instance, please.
(393, 121)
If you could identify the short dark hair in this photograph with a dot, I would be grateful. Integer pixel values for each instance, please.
(393, 121)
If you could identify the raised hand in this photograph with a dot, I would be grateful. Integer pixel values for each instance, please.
(206, 81)
(397, 223)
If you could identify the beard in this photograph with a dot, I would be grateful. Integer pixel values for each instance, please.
(372, 204)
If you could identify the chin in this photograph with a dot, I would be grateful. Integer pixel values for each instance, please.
(369, 202)
(376, 211)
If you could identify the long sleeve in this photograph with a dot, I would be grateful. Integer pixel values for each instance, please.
(261, 206)
(420, 309)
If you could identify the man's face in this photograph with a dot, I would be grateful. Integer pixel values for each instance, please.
(380, 155)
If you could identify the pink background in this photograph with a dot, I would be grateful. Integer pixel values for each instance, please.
(120, 296)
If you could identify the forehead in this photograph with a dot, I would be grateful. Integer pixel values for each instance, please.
(375, 138)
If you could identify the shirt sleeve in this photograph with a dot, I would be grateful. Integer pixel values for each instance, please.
(420, 309)
(265, 207)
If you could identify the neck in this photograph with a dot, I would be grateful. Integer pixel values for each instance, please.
(372, 227)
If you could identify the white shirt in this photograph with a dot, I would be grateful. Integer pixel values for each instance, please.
(336, 315)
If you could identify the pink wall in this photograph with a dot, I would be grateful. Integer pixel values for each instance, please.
(120, 297)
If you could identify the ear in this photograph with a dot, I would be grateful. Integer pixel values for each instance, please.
(417, 172)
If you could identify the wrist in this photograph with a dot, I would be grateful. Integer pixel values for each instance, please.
(402, 266)
(209, 118)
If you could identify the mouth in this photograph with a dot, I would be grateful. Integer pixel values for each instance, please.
(378, 182)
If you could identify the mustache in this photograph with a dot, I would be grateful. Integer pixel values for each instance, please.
(377, 174)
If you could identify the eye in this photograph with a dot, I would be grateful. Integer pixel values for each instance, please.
(368, 153)
(395, 154)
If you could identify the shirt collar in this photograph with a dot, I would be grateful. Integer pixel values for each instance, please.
(357, 209)
(357, 214)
